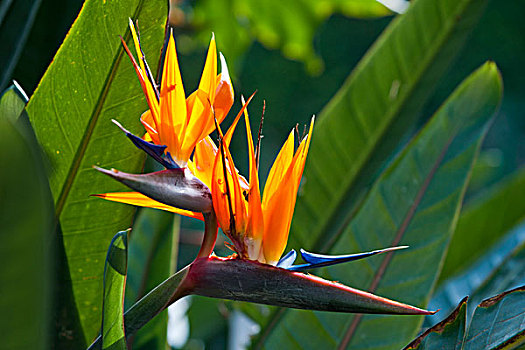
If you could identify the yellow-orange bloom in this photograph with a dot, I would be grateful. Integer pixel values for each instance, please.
(172, 119)
(258, 228)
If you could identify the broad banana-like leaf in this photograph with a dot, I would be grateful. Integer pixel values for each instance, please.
(27, 241)
(415, 202)
(115, 271)
(361, 126)
(497, 323)
(485, 219)
(89, 82)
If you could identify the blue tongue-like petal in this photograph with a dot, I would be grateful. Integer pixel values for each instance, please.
(318, 260)
(154, 151)
(287, 261)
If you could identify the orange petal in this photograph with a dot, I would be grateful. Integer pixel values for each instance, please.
(223, 93)
(138, 199)
(221, 105)
(199, 114)
(303, 153)
(229, 133)
(147, 120)
(279, 207)
(172, 102)
(277, 214)
(145, 83)
(255, 223)
(136, 41)
(219, 193)
(207, 83)
(204, 160)
(230, 185)
(279, 168)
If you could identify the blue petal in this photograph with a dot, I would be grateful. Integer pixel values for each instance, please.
(286, 261)
(318, 260)
(153, 150)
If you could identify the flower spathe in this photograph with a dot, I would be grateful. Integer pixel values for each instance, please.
(174, 120)
(258, 226)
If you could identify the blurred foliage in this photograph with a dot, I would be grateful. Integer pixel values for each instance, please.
(287, 25)
(27, 243)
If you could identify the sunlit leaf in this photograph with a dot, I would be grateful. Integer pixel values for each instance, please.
(89, 82)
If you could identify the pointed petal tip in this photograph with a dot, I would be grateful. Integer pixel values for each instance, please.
(110, 172)
(225, 76)
(396, 248)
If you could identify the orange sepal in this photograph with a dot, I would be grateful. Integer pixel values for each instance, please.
(279, 168)
(140, 200)
(255, 221)
(203, 160)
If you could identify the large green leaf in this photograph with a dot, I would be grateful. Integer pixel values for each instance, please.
(484, 220)
(27, 243)
(89, 82)
(16, 21)
(359, 128)
(115, 270)
(415, 202)
(153, 238)
(497, 323)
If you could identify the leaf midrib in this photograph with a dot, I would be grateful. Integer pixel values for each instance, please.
(81, 150)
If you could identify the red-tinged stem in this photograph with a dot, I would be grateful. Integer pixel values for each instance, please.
(210, 235)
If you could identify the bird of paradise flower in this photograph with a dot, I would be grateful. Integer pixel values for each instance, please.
(210, 188)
